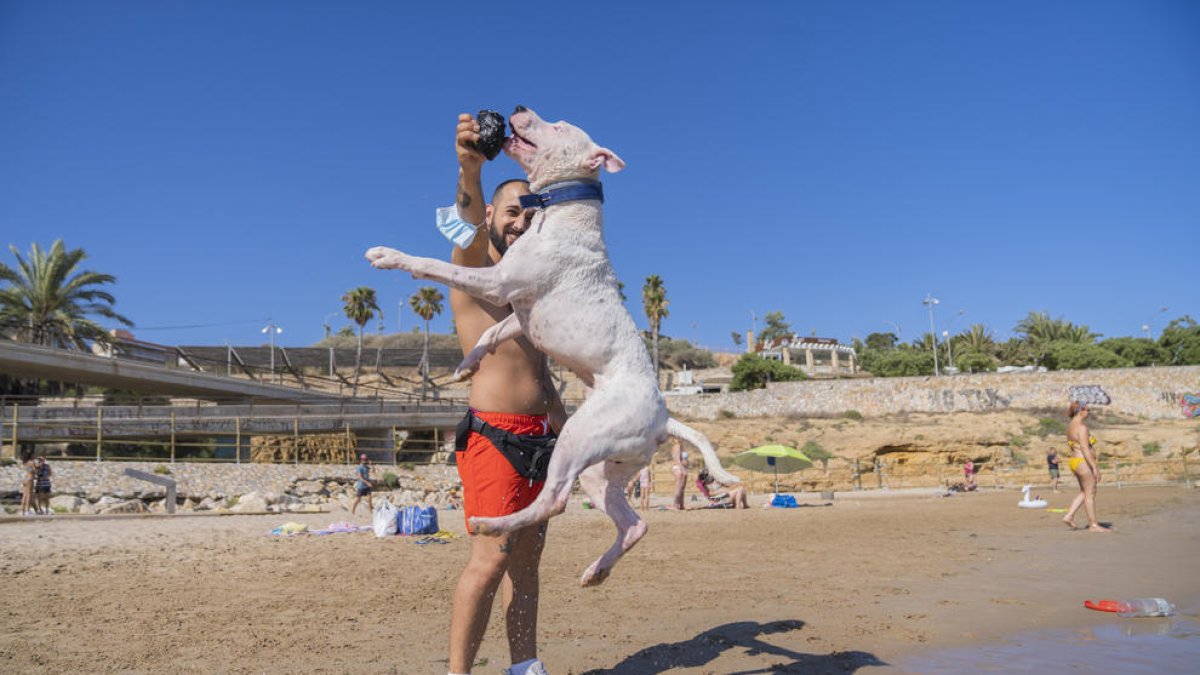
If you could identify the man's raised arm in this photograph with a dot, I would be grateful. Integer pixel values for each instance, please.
(469, 196)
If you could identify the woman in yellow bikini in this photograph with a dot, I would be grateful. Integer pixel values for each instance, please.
(1082, 463)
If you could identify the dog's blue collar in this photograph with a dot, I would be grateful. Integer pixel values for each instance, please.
(566, 191)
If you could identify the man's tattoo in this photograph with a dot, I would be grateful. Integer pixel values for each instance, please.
(506, 546)
(464, 199)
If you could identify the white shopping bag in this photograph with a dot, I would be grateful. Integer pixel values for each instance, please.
(383, 521)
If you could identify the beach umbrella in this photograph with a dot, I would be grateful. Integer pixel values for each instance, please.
(773, 458)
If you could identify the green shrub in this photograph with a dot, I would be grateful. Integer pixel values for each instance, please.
(391, 480)
(754, 372)
(1018, 441)
(853, 415)
(974, 362)
(1151, 448)
(162, 470)
(725, 414)
(1047, 426)
(1138, 351)
(816, 453)
(1061, 355)
(898, 363)
(7, 461)
(231, 502)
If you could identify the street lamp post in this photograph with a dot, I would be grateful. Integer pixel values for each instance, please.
(929, 302)
(1146, 326)
(949, 348)
(271, 330)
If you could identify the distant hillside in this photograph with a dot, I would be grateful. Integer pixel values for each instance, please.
(392, 341)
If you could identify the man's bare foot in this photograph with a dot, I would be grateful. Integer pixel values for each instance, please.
(1070, 522)
(1099, 528)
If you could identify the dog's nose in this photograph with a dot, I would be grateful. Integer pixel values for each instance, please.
(519, 109)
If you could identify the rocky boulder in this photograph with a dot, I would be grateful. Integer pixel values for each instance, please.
(251, 502)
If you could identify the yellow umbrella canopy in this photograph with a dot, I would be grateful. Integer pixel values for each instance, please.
(773, 458)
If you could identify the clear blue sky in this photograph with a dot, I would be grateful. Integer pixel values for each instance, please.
(231, 161)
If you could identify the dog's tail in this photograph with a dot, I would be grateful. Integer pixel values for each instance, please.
(684, 432)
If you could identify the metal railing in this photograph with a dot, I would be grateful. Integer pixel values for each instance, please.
(205, 431)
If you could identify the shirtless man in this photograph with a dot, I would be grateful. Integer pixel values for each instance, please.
(511, 391)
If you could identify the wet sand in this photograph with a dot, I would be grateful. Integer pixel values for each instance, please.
(870, 581)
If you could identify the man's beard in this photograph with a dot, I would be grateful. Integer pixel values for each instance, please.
(498, 240)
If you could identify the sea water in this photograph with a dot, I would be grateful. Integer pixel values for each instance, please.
(1138, 645)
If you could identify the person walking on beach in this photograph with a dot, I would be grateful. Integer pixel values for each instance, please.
(362, 484)
(643, 478)
(28, 478)
(1052, 463)
(1082, 463)
(969, 476)
(511, 394)
(679, 468)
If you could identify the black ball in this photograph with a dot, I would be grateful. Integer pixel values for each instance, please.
(491, 133)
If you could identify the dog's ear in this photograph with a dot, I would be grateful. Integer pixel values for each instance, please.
(606, 158)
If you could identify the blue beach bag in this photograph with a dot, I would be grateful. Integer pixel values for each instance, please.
(416, 520)
(784, 502)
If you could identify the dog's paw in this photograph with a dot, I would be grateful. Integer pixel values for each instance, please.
(384, 258)
(481, 525)
(463, 373)
(470, 364)
(594, 575)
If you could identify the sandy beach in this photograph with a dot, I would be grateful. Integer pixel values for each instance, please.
(870, 579)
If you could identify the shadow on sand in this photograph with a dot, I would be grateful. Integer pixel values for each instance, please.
(741, 635)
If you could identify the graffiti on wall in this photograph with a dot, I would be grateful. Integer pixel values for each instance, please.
(968, 399)
(1089, 394)
(1190, 403)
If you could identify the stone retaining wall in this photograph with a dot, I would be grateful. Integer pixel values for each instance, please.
(1151, 393)
(196, 481)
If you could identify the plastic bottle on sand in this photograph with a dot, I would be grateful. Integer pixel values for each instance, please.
(1147, 607)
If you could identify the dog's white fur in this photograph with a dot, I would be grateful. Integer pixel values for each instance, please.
(558, 279)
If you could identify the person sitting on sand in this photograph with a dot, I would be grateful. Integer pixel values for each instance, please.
(1082, 463)
(731, 495)
(362, 485)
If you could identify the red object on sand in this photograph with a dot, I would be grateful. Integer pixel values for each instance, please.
(1106, 606)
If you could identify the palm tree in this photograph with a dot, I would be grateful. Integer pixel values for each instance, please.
(360, 308)
(48, 298)
(654, 301)
(1037, 330)
(426, 303)
(978, 338)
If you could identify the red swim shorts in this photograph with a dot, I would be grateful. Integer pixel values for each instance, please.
(491, 486)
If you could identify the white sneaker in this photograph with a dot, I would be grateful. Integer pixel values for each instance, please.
(535, 668)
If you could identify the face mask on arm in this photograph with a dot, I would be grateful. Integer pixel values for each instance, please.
(458, 231)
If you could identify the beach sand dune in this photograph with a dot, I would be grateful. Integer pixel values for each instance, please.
(838, 588)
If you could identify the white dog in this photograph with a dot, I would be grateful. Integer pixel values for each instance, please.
(558, 279)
